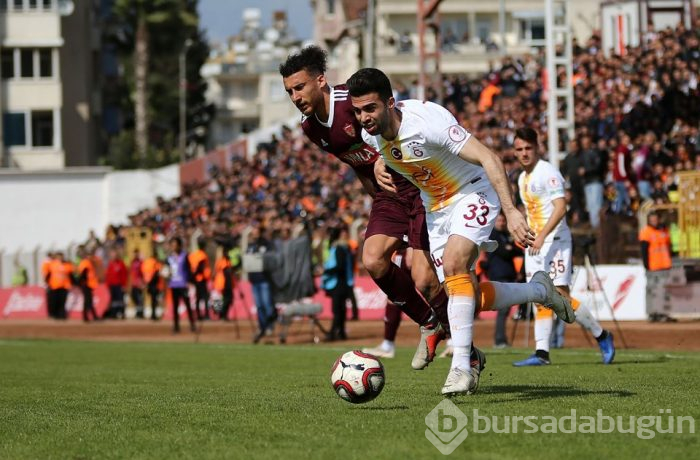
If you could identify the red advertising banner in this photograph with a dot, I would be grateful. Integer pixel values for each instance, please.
(30, 302)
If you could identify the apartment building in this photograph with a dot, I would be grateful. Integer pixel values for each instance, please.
(30, 84)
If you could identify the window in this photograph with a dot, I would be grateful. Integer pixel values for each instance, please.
(18, 4)
(47, 4)
(330, 7)
(3, 5)
(33, 4)
(26, 59)
(13, 129)
(42, 128)
(7, 63)
(45, 62)
(532, 30)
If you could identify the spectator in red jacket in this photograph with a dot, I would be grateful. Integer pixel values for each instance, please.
(115, 278)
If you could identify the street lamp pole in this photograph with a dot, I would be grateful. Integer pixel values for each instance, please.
(182, 144)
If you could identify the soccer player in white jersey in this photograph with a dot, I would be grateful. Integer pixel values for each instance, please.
(463, 185)
(541, 188)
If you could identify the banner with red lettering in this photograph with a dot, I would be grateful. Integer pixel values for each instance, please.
(30, 302)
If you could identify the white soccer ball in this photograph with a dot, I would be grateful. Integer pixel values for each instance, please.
(357, 377)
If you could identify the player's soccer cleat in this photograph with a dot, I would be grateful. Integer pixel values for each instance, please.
(557, 302)
(478, 363)
(380, 352)
(607, 349)
(460, 382)
(430, 337)
(533, 360)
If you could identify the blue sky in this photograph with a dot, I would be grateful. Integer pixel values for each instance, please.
(223, 18)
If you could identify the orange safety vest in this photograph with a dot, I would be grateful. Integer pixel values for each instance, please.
(45, 268)
(659, 247)
(149, 268)
(219, 273)
(195, 258)
(91, 280)
(68, 268)
(58, 277)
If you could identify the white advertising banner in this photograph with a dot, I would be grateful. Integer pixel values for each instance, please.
(624, 286)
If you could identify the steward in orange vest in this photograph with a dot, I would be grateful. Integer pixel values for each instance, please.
(150, 269)
(201, 273)
(87, 280)
(223, 280)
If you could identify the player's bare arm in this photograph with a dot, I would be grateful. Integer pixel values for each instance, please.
(477, 153)
(383, 177)
(367, 184)
(556, 217)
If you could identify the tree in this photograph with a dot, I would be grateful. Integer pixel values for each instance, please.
(149, 36)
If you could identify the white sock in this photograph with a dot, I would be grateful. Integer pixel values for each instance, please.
(543, 330)
(586, 319)
(460, 311)
(387, 345)
(509, 294)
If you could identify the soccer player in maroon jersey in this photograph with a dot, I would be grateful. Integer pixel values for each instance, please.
(329, 122)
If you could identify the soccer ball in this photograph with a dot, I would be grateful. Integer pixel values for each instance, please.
(357, 377)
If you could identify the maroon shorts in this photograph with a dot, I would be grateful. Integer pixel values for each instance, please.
(401, 217)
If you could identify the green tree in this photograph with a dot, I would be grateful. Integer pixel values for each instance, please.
(149, 36)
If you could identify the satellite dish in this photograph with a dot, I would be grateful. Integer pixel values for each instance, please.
(66, 7)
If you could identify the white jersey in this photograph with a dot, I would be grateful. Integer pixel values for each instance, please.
(425, 152)
(538, 190)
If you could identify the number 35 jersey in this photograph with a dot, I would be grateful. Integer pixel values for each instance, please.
(425, 152)
(538, 190)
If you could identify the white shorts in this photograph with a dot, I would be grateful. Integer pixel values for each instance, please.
(472, 216)
(555, 259)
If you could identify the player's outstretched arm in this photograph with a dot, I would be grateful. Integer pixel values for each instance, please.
(383, 176)
(475, 152)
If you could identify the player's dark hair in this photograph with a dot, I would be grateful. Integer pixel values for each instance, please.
(527, 134)
(368, 80)
(312, 59)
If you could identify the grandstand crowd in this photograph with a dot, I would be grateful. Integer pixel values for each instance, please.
(637, 118)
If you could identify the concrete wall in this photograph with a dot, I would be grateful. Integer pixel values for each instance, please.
(57, 208)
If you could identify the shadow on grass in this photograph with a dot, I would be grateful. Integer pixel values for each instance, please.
(382, 408)
(534, 392)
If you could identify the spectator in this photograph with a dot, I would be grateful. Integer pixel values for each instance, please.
(87, 280)
(180, 278)
(116, 278)
(337, 280)
(20, 276)
(260, 283)
(405, 42)
(656, 257)
(592, 175)
(137, 283)
(150, 271)
(201, 272)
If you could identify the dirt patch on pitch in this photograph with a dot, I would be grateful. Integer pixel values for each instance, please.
(680, 336)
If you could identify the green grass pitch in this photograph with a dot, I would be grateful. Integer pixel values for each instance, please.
(62, 399)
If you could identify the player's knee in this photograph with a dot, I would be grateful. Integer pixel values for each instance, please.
(453, 267)
(375, 264)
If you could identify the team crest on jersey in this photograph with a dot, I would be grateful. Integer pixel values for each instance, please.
(415, 147)
(457, 133)
(553, 182)
(396, 153)
(349, 130)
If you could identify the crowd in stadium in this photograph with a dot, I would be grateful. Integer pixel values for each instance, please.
(637, 117)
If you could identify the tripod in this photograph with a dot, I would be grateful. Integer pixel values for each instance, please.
(592, 277)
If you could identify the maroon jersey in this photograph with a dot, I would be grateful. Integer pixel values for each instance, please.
(341, 136)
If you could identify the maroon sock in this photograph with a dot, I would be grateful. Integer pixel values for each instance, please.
(439, 306)
(401, 290)
(392, 320)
